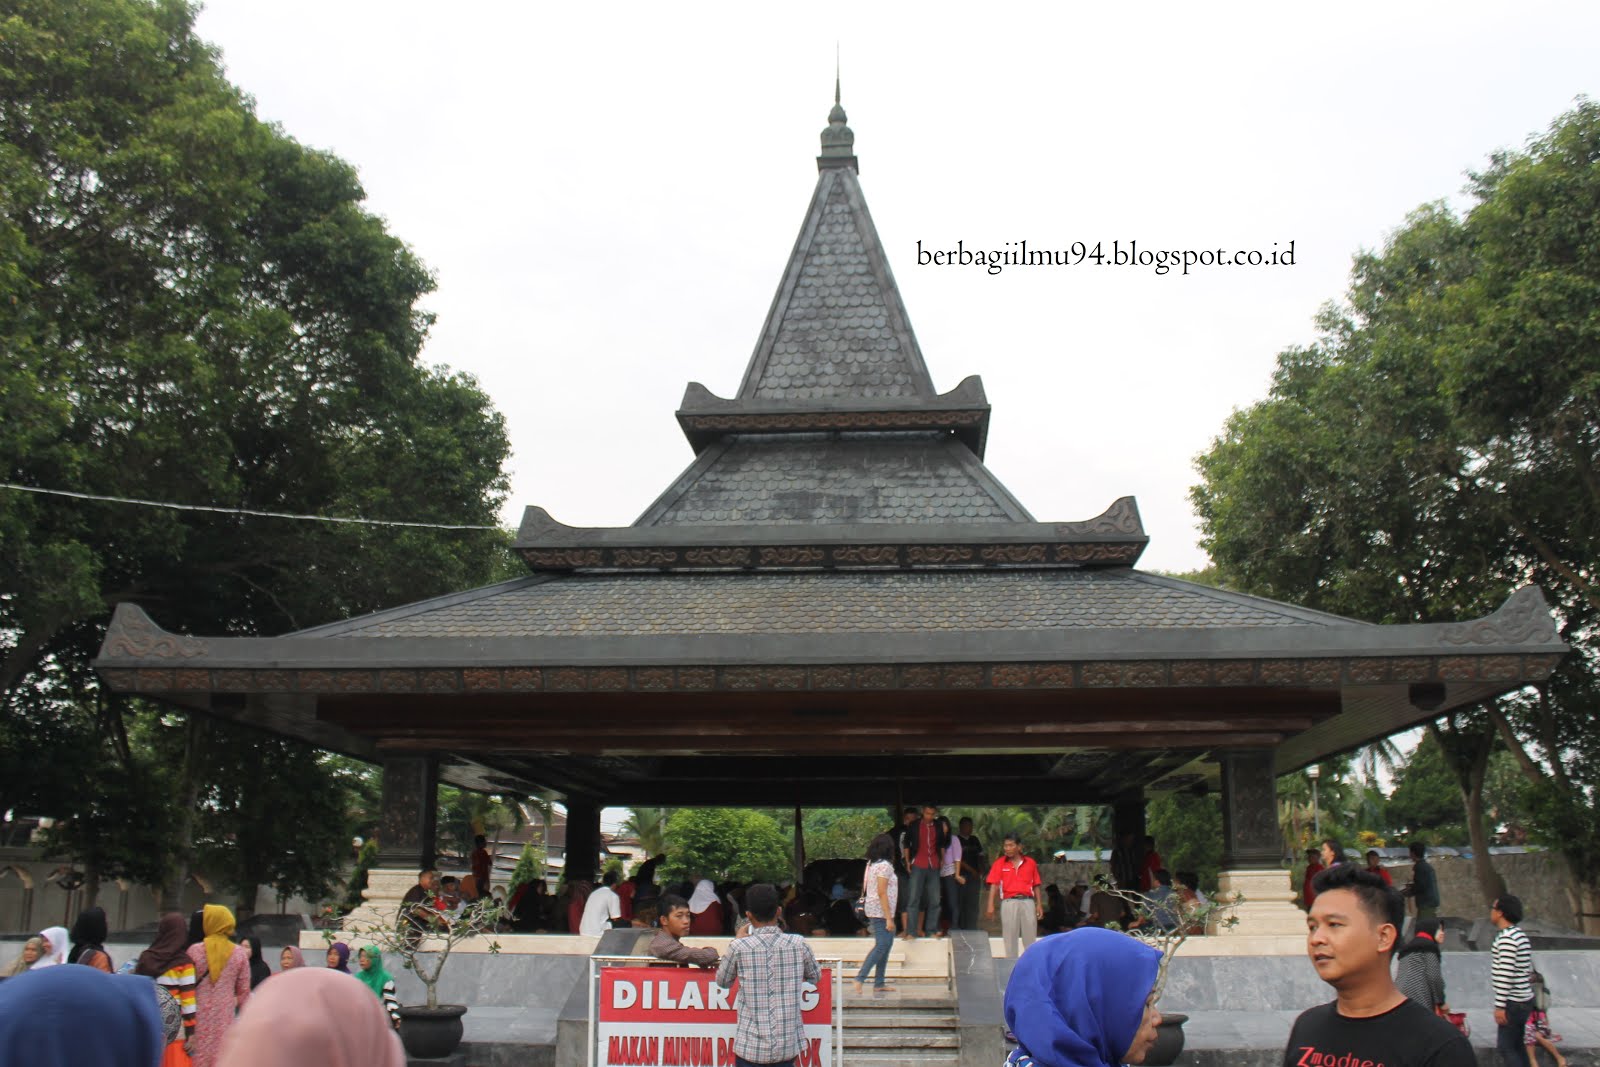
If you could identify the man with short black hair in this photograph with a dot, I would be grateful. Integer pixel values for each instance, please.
(1424, 885)
(602, 906)
(1510, 970)
(925, 845)
(482, 864)
(772, 968)
(1352, 932)
(1375, 866)
(668, 943)
(1014, 883)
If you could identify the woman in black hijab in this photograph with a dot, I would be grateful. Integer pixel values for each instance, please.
(260, 971)
(89, 940)
(197, 929)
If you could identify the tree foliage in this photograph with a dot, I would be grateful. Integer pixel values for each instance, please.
(1439, 445)
(841, 834)
(726, 843)
(196, 308)
(1188, 832)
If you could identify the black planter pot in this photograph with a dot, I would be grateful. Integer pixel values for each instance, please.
(1169, 1041)
(431, 1033)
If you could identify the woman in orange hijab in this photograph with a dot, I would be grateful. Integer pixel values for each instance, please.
(222, 972)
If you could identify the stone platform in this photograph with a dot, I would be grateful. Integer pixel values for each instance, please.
(1240, 1007)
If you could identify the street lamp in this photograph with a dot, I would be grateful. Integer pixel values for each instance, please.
(1314, 772)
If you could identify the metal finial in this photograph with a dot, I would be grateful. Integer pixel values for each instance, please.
(836, 74)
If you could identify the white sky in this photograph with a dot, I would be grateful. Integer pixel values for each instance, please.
(608, 194)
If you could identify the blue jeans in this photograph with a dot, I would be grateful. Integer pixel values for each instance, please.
(924, 897)
(1509, 1038)
(882, 942)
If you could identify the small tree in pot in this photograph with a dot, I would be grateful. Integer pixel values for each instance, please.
(1165, 923)
(422, 938)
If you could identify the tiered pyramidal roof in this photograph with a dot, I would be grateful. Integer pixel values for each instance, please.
(837, 438)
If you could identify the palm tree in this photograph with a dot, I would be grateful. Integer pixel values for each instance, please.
(649, 825)
(1382, 755)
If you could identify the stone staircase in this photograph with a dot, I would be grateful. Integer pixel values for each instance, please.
(916, 1025)
(914, 1028)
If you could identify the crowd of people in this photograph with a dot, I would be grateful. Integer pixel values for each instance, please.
(188, 998)
(1083, 997)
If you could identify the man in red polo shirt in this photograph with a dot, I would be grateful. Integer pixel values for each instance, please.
(1014, 882)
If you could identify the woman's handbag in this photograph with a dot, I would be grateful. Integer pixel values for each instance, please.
(1457, 1019)
(859, 909)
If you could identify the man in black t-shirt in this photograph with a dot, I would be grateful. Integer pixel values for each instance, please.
(1352, 931)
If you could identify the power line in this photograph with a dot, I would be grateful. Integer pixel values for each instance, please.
(238, 511)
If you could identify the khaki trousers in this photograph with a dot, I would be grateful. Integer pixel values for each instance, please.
(1019, 918)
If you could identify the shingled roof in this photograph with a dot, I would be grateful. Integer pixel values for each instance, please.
(838, 548)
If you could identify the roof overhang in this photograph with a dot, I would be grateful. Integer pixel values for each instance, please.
(963, 411)
(1115, 537)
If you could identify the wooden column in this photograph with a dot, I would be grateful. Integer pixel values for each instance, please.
(1252, 851)
(583, 838)
(407, 816)
(1127, 837)
(409, 813)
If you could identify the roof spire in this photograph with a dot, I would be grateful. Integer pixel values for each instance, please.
(838, 141)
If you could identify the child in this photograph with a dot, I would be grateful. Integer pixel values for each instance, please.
(1537, 1033)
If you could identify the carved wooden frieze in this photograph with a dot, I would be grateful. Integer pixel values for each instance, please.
(1093, 674)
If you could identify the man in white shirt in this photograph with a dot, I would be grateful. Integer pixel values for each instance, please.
(603, 906)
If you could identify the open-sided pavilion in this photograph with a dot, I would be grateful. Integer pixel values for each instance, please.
(837, 603)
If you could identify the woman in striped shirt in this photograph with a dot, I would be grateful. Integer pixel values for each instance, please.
(370, 971)
(167, 962)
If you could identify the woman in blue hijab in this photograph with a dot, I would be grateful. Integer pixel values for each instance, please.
(1082, 999)
(77, 1016)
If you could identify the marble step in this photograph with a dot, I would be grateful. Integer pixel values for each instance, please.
(855, 1019)
(928, 1058)
(907, 1038)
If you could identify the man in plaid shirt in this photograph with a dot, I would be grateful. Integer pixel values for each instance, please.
(771, 967)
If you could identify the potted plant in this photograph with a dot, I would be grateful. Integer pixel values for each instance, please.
(1165, 923)
(422, 938)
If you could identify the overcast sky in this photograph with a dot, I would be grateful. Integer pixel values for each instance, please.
(608, 194)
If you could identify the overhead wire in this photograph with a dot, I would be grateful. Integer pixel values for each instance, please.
(253, 512)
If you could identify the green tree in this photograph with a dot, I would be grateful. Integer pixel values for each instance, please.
(1188, 830)
(1426, 802)
(726, 843)
(196, 308)
(841, 834)
(1438, 446)
(531, 866)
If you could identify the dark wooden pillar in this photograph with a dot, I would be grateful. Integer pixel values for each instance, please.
(1127, 837)
(583, 839)
(409, 812)
(1250, 834)
(1127, 815)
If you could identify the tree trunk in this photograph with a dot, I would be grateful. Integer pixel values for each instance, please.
(246, 904)
(1489, 880)
(1467, 744)
(188, 800)
(91, 884)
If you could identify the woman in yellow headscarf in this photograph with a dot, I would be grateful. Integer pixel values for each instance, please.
(222, 970)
